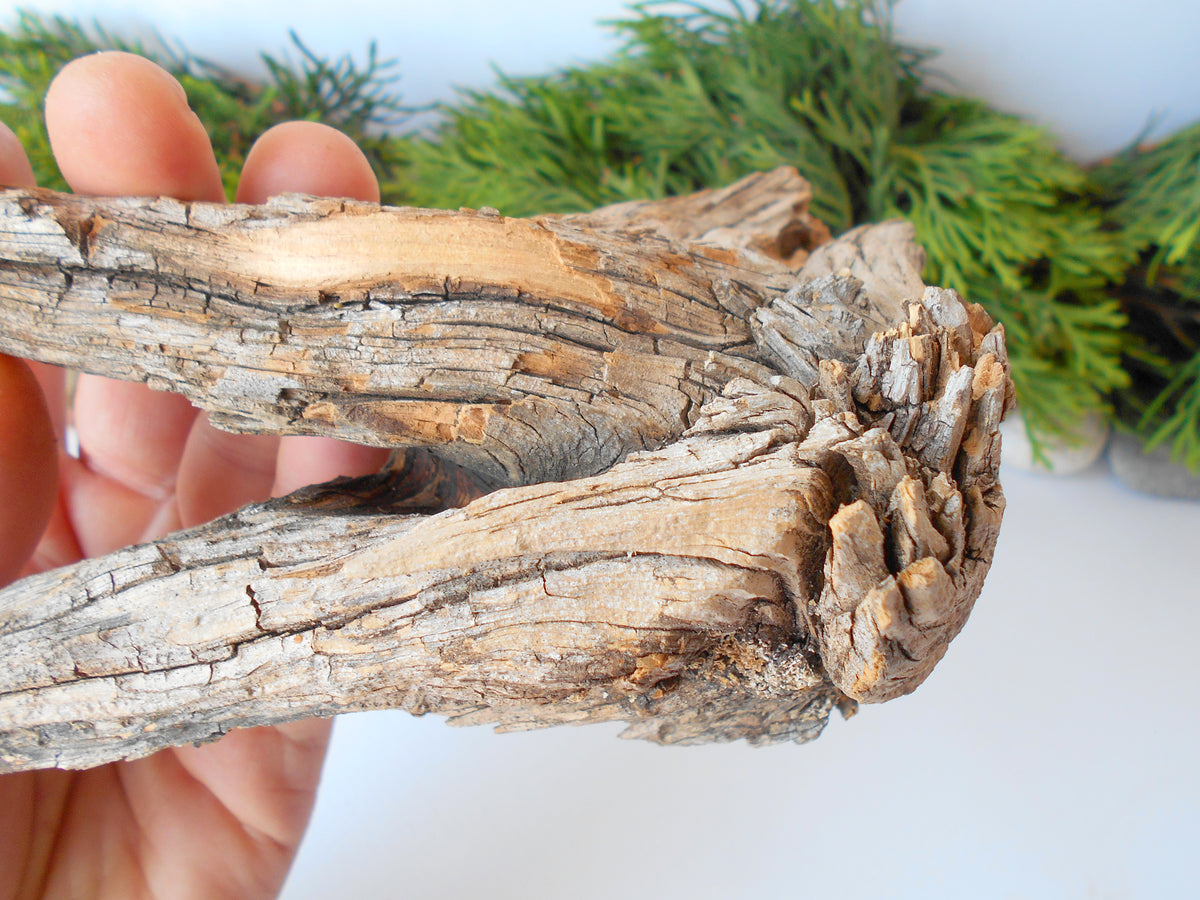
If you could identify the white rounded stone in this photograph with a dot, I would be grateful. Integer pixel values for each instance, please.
(1065, 456)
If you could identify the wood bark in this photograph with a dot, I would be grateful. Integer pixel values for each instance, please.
(721, 474)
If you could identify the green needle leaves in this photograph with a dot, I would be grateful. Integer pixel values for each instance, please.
(1096, 275)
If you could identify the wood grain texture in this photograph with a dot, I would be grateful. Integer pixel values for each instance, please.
(526, 350)
(733, 474)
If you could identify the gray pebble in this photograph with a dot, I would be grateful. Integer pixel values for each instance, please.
(1152, 473)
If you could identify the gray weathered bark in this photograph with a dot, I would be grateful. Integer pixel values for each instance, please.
(745, 474)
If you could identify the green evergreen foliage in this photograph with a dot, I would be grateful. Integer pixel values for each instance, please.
(691, 101)
(1003, 219)
(1153, 200)
(699, 98)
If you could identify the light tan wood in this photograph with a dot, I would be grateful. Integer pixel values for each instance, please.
(745, 474)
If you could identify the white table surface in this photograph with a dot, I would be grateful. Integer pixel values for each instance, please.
(1052, 754)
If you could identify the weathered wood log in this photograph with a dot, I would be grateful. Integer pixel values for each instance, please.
(527, 350)
(739, 474)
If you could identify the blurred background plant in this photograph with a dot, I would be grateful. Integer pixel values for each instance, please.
(1095, 273)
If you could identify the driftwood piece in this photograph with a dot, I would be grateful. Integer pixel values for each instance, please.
(739, 474)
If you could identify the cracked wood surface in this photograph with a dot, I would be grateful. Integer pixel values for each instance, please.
(526, 350)
(745, 474)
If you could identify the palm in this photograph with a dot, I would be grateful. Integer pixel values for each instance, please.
(217, 821)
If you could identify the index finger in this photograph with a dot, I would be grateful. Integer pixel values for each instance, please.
(121, 124)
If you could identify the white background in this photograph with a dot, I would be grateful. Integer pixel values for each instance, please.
(1052, 754)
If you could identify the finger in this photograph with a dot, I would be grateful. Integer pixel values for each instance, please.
(119, 124)
(15, 170)
(28, 461)
(313, 460)
(28, 466)
(314, 159)
(53, 380)
(105, 515)
(310, 158)
(132, 435)
(59, 545)
(266, 777)
(250, 796)
(220, 471)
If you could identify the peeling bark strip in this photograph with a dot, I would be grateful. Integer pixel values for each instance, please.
(746, 474)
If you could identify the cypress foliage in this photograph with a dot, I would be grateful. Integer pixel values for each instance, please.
(1152, 196)
(1095, 274)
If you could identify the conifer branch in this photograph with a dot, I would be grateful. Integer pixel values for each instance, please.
(698, 98)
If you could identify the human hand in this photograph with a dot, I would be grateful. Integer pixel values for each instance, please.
(223, 820)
